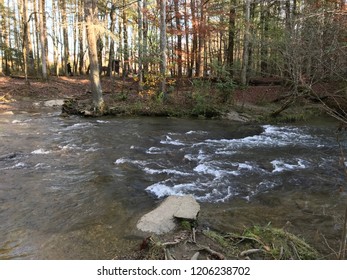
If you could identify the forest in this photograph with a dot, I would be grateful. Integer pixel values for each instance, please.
(162, 45)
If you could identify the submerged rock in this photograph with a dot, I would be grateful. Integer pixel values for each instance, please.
(162, 219)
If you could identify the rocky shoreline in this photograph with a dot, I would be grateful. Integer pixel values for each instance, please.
(171, 232)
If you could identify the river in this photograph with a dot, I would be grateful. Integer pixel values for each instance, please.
(74, 188)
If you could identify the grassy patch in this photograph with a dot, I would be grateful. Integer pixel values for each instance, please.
(264, 243)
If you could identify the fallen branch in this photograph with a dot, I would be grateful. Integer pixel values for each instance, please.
(216, 254)
(194, 235)
(250, 252)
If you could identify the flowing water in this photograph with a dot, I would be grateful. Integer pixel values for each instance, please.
(74, 188)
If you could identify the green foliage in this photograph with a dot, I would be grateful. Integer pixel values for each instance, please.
(201, 98)
(185, 225)
(226, 89)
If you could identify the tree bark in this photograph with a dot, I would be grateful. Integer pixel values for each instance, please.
(231, 36)
(112, 29)
(80, 37)
(195, 39)
(29, 54)
(140, 43)
(163, 46)
(245, 44)
(2, 25)
(55, 39)
(65, 34)
(186, 26)
(90, 10)
(179, 39)
(43, 40)
(145, 39)
(125, 43)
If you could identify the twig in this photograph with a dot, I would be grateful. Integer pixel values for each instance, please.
(212, 252)
(171, 243)
(193, 235)
(294, 249)
(342, 251)
(250, 251)
(326, 243)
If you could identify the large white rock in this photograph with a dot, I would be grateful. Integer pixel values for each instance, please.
(162, 219)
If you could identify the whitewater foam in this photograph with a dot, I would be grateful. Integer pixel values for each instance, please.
(40, 152)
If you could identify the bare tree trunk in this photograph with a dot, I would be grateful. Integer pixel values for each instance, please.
(179, 39)
(90, 10)
(65, 34)
(145, 38)
(55, 39)
(29, 48)
(163, 46)
(231, 39)
(201, 40)
(186, 26)
(80, 37)
(112, 29)
(37, 36)
(125, 43)
(2, 35)
(264, 22)
(25, 38)
(140, 43)
(195, 39)
(245, 44)
(43, 40)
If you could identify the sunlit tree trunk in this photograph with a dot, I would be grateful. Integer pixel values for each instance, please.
(43, 40)
(186, 26)
(27, 40)
(65, 34)
(55, 39)
(145, 38)
(195, 38)
(179, 39)
(36, 35)
(90, 10)
(80, 37)
(163, 46)
(140, 43)
(201, 40)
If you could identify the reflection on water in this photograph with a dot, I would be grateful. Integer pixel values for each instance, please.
(74, 188)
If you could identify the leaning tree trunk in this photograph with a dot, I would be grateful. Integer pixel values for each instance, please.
(90, 11)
